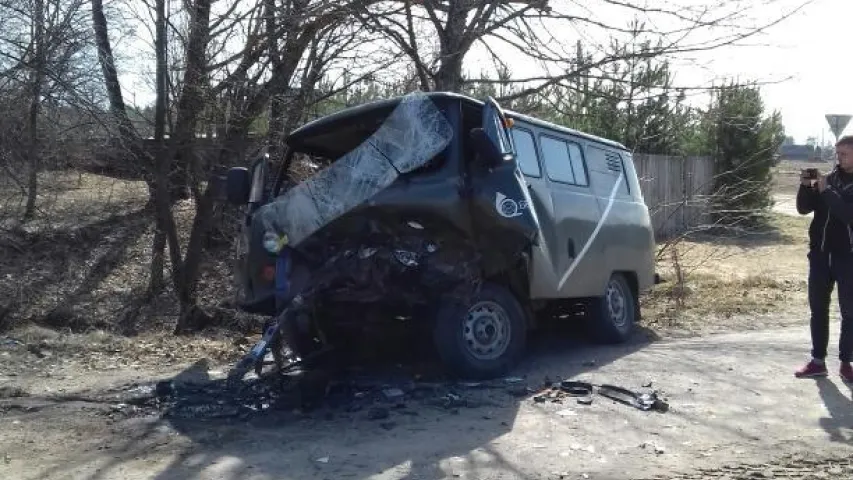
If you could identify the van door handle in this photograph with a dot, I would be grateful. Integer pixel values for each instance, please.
(571, 246)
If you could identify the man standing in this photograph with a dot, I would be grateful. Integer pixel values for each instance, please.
(830, 197)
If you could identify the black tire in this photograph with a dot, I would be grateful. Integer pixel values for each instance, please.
(497, 310)
(615, 325)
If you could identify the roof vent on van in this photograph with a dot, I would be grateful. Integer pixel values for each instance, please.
(613, 162)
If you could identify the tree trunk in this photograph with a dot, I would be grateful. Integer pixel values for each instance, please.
(127, 133)
(35, 109)
(449, 76)
(156, 280)
(185, 162)
(191, 316)
(158, 247)
(276, 129)
(453, 49)
(191, 101)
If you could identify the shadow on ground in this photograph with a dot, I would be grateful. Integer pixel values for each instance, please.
(56, 270)
(839, 424)
(396, 416)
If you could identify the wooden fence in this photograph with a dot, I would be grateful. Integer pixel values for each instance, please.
(677, 191)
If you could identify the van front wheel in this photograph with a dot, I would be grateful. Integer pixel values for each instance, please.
(482, 337)
(615, 313)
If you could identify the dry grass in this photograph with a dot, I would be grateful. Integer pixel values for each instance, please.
(68, 200)
(730, 279)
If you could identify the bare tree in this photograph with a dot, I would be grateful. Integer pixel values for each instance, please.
(285, 49)
(294, 37)
(525, 29)
(44, 47)
(126, 131)
(158, 247)
(38, 65)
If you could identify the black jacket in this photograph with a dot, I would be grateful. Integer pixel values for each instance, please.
(831, 229)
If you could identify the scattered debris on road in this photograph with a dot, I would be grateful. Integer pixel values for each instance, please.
(10, 342)
(393, 394)
(659, 450)
(40, 350)
(584, 391)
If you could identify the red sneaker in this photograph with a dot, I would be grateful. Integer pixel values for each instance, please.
(846, 372)
(813, 369)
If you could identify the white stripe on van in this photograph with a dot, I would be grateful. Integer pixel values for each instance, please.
(593, 235)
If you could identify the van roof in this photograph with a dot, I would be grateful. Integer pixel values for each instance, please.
(373, 113)
(569, 131)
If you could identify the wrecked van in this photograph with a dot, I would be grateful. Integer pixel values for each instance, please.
(447, 212)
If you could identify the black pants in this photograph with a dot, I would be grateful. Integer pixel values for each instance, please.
(825, 270)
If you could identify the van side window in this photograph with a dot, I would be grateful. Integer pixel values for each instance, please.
(528, 159)
(563, 161)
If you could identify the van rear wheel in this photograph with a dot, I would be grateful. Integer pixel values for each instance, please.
(482, 337)
(614, 314)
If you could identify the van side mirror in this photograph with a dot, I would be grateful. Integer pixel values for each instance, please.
(485, 148)
(238, 184)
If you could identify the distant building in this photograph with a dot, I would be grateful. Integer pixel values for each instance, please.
(802, 153)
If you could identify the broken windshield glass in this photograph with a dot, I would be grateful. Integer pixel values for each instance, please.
(414, 133)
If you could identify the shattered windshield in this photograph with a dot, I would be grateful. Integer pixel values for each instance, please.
(412, 135)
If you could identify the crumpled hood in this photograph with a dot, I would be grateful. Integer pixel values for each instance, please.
(414, 133)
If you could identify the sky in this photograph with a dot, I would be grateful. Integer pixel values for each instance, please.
(799, 61)
(811, 48)
(796, 61)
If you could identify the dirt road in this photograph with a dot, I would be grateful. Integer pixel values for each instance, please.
(733, 401)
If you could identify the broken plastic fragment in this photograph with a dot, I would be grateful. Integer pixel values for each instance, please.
(409, 259)
(412, 135)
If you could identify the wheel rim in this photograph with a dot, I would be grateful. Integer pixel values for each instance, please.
(617, 304)
(486, 330)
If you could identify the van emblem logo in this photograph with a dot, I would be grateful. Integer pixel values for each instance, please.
(508, 207)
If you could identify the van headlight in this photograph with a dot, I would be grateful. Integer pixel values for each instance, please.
(273, 242)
